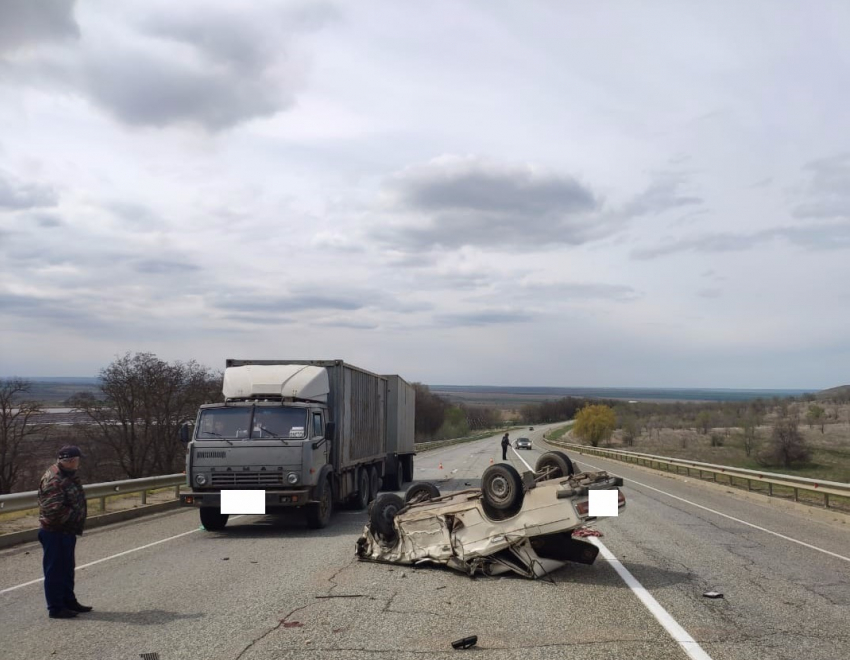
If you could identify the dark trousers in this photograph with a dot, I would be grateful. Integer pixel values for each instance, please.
(505, 453)
(59, 566)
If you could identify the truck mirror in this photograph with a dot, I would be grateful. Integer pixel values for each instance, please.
(330, 429)
(186, 432)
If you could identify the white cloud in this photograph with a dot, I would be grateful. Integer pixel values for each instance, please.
(550, 197)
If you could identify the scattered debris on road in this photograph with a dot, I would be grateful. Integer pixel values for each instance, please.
(713, 594)
(292, 624)
(465, 643)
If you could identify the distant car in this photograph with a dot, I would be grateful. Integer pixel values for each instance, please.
(520, 523)
(522, 443)
(530, 428)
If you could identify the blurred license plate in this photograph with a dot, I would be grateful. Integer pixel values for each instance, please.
(245, 502)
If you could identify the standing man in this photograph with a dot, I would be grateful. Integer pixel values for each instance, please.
(505, 444)
(61, 516)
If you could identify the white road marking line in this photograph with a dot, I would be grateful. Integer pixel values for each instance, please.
(738, 520)
(521, 458)
(98, 561)
(680, 635)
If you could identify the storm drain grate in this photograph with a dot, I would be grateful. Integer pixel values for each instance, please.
(149, 656)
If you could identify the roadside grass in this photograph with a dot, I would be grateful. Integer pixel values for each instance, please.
(558, 433)
(830, 462)
(830, 452)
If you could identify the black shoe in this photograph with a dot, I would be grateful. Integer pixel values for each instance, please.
(77, 607)
(62, 614)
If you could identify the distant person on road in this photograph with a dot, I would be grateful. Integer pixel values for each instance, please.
(506, 442)
(62, 515)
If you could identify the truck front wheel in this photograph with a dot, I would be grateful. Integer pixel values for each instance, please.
(213, 520)
(319, 513)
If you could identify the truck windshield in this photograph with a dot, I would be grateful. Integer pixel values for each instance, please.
(253, 423)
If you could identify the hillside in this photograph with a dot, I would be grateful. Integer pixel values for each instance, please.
(840, 393)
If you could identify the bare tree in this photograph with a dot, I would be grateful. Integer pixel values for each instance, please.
(16, 428)
(787, 445)
(145, 401)
(749, 433)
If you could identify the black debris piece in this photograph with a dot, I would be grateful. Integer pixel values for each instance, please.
(465, 643)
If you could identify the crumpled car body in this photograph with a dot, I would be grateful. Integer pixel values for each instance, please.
(460, 531)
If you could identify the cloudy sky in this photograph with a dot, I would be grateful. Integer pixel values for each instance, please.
(514, 193)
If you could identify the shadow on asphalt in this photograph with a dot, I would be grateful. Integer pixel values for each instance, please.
(143, 618)
(343, 523)
(651, 577)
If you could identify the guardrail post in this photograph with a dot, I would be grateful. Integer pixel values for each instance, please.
(796, 495)
(177, 492)
(749, 485)
(826, 500)
(770, 489)
(144, 497)
(103, 504)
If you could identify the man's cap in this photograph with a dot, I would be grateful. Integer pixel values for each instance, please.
(70, 451)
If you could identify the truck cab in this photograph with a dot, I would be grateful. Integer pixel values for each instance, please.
(272, 434)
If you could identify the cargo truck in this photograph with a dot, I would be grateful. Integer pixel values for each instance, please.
(310, 434)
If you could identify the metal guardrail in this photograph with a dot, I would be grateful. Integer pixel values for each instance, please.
(820, 487)
(29, 500)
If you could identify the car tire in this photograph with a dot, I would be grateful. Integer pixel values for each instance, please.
(556, 463)
(213, 520)
(502, 488)
(421, 492)
(382, 512)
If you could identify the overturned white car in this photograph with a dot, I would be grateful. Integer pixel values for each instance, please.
(520, 523)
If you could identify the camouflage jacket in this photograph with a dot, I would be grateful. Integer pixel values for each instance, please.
(61, 502)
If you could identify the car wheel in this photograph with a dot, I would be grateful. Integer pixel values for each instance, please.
(382, 513)
(501, 485)
(555, 464)
(421, 492)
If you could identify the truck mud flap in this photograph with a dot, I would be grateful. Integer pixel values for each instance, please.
(563, 547)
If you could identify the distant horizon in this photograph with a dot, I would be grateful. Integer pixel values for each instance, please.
(796, 390)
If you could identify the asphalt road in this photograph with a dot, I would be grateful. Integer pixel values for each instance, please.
(267, 588)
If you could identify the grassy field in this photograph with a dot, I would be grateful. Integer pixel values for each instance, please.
(830, 449)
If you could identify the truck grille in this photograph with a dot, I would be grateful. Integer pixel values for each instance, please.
(247, 479)
(211, 454)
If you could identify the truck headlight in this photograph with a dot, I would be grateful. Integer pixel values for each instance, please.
(201, 479)
(292, 478)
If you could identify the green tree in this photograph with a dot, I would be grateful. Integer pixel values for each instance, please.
(704, 421)
(815, 416)
(595, 423)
